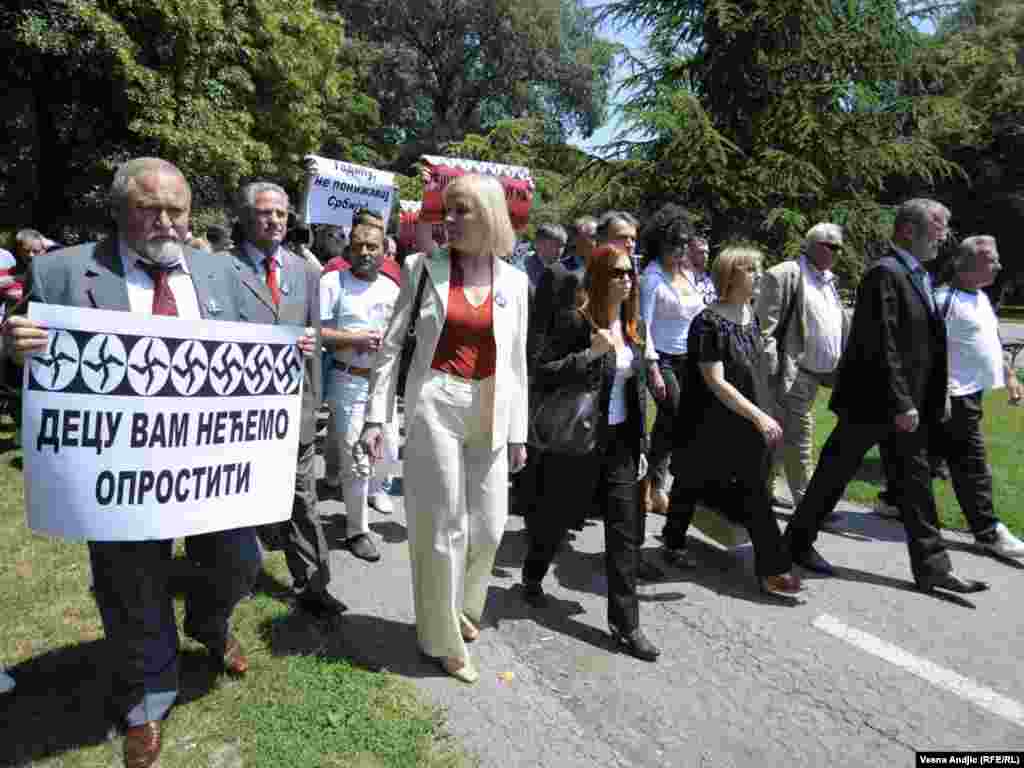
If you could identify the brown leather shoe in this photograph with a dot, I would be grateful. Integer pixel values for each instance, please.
(234, 660)
(781, 584)
(142, 745)
(659, 503)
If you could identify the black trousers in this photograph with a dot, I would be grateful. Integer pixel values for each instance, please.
(961, 442)
(569, 481)
(910, 489)
(673, 371)
(744, 498)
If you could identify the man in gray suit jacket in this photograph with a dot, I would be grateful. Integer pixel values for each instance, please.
(280, 287)
(805, 329)
(144, 267)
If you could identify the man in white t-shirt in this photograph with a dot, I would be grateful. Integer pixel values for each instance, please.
(355, 308)
(976, 364)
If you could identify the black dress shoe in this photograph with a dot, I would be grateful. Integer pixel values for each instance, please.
(533, 593)
(648, 571)
(323, 605)
(952, 583)
(362, 546)
(636, 644)
(813, 561)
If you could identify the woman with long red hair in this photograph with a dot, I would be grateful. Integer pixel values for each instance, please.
(599, 346)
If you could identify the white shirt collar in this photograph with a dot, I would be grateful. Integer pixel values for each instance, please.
(821, 275)
(258, 257)
(130, 258)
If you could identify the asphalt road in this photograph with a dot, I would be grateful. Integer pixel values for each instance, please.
(862, 673)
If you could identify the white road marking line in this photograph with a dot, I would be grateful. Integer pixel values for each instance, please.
(940, 677)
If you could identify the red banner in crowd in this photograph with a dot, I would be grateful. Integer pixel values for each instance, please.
(410, 217)
(516, 180)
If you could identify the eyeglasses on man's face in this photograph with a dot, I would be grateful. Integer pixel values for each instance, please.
(621, 273)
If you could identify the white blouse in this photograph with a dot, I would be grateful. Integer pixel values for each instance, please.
(617, 410)
(666, 313)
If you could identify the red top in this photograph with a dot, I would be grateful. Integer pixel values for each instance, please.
(466, 347)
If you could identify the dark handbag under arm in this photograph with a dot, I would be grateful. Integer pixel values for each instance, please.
(409, 345)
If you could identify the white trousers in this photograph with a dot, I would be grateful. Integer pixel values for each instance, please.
(347, 400)
(456, 505)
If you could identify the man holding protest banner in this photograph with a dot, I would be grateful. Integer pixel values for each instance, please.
(356, 307)
(283, 289)
(145, 268)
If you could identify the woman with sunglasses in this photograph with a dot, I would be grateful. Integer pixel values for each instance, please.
(724, 438)
(670, 297)
(599, 346)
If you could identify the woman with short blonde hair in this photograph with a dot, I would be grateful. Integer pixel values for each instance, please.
(465, 413)
(724, 437)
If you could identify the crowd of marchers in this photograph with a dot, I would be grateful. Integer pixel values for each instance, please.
(510, 374)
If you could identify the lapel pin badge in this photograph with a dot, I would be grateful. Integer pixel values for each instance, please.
(213, 307)
(499, 299)
(286, 289)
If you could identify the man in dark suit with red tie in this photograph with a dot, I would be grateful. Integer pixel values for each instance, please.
(891, 389)
(281, 288)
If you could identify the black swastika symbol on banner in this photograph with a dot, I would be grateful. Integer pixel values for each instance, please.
(188, 367)
(259, 369)
(55, 369)
(226, 368)
(149, 365)
(287, 370)
(104, 363)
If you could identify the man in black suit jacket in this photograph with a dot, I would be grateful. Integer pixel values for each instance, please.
(891, 389)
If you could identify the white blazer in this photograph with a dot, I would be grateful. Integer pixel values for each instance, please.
(511, 305)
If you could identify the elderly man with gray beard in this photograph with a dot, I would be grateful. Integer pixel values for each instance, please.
(891, 388)
(144, 268)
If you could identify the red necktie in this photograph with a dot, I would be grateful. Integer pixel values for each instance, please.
(163, 298)
(275, 292)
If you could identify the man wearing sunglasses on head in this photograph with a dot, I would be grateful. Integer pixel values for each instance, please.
(805, 329)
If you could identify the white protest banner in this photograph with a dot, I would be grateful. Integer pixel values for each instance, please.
(337, 189)
(147, 427)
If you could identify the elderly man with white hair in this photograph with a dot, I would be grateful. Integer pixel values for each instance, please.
(976, 364)
(805, 330)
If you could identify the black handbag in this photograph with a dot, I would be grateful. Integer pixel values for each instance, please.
(566, 421)
(409, 346)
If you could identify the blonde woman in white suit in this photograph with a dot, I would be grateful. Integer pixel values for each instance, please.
(465, 411)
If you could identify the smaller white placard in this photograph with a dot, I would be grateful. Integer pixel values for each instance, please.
(337, 189)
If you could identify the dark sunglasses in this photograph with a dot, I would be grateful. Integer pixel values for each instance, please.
(620, 272)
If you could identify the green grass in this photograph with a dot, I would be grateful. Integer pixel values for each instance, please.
(1013, 314)
(1004, 438)
(302, 705)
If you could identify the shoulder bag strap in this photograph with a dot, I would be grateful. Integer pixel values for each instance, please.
(414, 316)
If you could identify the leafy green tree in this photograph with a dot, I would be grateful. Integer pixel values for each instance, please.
(769, 115)
(225, 89)
(977, 64)
(441, 69)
